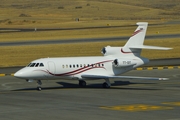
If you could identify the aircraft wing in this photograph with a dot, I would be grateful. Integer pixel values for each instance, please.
(122, 77)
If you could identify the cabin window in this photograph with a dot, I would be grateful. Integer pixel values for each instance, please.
(80, 65)
(70, 66)
(103, 65)
(99, 65)
(37, 64)
(77, 65)
(41, 65)
(74, 66)
(66, 66)
(62, 66)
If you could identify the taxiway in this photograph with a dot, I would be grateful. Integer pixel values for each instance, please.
(61, 99)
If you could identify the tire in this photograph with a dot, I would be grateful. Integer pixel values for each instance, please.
(39, 88)
(82, 83)
(105, 85)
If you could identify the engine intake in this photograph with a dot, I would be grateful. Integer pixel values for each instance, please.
(123, 62)
(110, 50)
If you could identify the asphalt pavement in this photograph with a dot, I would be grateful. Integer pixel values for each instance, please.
(63, 99)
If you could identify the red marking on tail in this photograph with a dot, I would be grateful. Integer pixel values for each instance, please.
(138, 31)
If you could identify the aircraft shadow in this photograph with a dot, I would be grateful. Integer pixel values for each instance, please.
(34, 88)
(65, 85)
(123, 83)
(99, 86)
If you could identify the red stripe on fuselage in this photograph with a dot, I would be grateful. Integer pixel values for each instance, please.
(83, 69)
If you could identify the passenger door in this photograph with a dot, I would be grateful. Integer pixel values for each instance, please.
(52, 68)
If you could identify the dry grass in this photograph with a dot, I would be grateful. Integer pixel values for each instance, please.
(45, 14)
(21, 55)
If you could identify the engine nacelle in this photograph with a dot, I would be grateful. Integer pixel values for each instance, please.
(110, 50)
(124, 62)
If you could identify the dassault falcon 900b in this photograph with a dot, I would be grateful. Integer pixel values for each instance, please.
(116, 60)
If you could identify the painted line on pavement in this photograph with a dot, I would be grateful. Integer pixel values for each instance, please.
(3, 74)
(158, 68)
(143, 107)
(136, 107)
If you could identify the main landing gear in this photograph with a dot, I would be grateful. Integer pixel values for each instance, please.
(39, 85)
(82, 83)
(106, 84)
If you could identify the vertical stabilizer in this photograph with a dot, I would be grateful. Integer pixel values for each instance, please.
(137, 38)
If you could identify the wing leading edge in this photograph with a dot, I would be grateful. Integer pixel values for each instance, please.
(123, 77)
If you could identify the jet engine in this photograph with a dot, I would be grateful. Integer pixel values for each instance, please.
(123, 62)
(110, 50)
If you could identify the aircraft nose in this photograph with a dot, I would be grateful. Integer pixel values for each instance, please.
(18, 74)
(21, 74)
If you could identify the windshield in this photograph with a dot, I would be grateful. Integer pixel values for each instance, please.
(35, 65)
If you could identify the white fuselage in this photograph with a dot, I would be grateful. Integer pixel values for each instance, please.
(74, 67)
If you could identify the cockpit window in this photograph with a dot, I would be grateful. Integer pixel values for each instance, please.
(32, 65)
(28, 64)
(41, 65)
(37, 64)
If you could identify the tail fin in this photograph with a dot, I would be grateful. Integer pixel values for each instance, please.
(135, 42)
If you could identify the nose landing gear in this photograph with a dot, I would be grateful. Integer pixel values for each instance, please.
(39, 85)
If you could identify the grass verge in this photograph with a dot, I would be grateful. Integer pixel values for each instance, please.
(22, 55)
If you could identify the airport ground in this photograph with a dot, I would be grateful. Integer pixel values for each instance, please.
(61, 99)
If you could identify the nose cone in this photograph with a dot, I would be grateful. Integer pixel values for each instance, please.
(23, 73)
(18, 74)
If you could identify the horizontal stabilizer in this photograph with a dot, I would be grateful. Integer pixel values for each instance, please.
(123, 77)
(149, 47)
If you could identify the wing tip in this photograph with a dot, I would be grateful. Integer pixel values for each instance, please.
(163, 78)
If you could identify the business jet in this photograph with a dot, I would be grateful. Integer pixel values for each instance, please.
(114, 62)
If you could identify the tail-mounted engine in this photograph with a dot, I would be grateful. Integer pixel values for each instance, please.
(110, 50)
(123, 62)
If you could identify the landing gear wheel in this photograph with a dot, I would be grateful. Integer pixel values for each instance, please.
(39, 85)
(105, 85)
(39, 88)
(82, 83)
